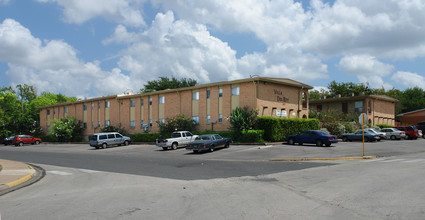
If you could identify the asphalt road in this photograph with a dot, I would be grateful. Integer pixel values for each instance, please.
(151, 161)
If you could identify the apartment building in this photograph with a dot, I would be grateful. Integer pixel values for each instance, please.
(380, 109)
(208, 105)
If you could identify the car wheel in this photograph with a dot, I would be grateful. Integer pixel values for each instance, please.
(345, 139)
(195, 151)
(21, 144)
(379, 139)
(300, 143)
(104, 145)
(37, 142)
(393, 137)
(407, 137)
(212, 149)
(227, 145)
(174, 146)
(366, 139)
(319, 143)
(165, 148)
(125, 143)
(327, 145)
(291, 141)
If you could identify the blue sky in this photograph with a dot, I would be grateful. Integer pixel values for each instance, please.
(95, 48)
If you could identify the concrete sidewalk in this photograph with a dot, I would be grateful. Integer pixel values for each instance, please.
(14, 173)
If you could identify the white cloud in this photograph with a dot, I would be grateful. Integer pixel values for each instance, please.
(409, 79)
(367, 68)
(53, 66)
(120, 11)
(4, 2)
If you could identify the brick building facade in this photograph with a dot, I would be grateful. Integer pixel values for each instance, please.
(380, 109)
(209, 105)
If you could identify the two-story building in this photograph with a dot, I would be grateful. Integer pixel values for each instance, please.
(380, 109)
(208, 105)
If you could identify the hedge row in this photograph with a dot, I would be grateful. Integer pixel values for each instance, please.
(276, 129)
(384, 126)
(144, 137)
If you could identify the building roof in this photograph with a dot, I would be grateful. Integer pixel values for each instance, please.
(406, 113)
(281, 81)
(354, 98)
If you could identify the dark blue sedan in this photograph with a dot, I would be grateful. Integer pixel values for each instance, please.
(317, 137)
(208, 142)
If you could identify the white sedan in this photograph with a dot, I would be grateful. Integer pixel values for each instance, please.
(394, 133)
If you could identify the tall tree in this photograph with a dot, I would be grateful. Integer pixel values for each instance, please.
(413, 99)
(167, 83)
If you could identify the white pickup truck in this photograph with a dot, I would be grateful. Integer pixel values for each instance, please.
(178, 139)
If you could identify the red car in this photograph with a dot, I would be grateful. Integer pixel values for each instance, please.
(411, 131)
(20, 140)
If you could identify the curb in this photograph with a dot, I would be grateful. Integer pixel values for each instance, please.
(22, 179)
(321, 159)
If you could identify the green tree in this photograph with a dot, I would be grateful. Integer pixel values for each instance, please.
(242, 119)
(118, 129)
(413, 99)
(345, 89)
(166, 83)
(177, 123)
(67, 129)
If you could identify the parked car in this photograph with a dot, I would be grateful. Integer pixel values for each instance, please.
(8, 140)
(106, 139)
(394, 133)
(421, 127)
(410, 131)
(20, 140)
(208, 142)
(382, 135)
(178, 139)
(312, 137)
(358, 136)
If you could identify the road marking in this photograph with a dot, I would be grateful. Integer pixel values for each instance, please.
(59, 173)
(89, 171)
(392, 160)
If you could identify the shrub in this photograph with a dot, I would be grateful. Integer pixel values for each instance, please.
(225, 134)
(242, 119)
(67, 129)
(178, 123)
(48, 138)
(276, 129)
(118, 129)
(384, 126)
(252, 136)
(145, 137)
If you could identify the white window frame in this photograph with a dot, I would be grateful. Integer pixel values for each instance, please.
(132, 124)
(161, 99)
(132, 103)
(235, 91)
(195, 119)
(195, 95)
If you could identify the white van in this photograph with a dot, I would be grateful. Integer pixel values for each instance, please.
(106, 139)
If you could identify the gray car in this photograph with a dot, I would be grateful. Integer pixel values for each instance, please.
(394, 133)
(106, 139)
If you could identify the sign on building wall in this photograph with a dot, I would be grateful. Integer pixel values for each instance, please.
(281, 113)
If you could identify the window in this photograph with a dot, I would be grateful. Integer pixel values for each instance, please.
(141, 102)
(161, 121)
(208, 119)
(220, 118)
(84, 125)
(344, 107)
(118, 136)
(161, 100)
(132, 124)
(107, 123)
(103, 137)
(358, 106)
(59, 110)
(141, 123)
(48, 111)
(150, 100)
(48, 128)
(319, 108)
(107, 104)
(132, 103)
(98, 105)
(208, 94)
(92, 106)
(92, 124)
(85, 107)
(220, 92)
(150, 122)
(111, 136)
(195, 119)
(98, 124)
(54, 111)
(235, 91)
(195, 95)
(65, 109)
